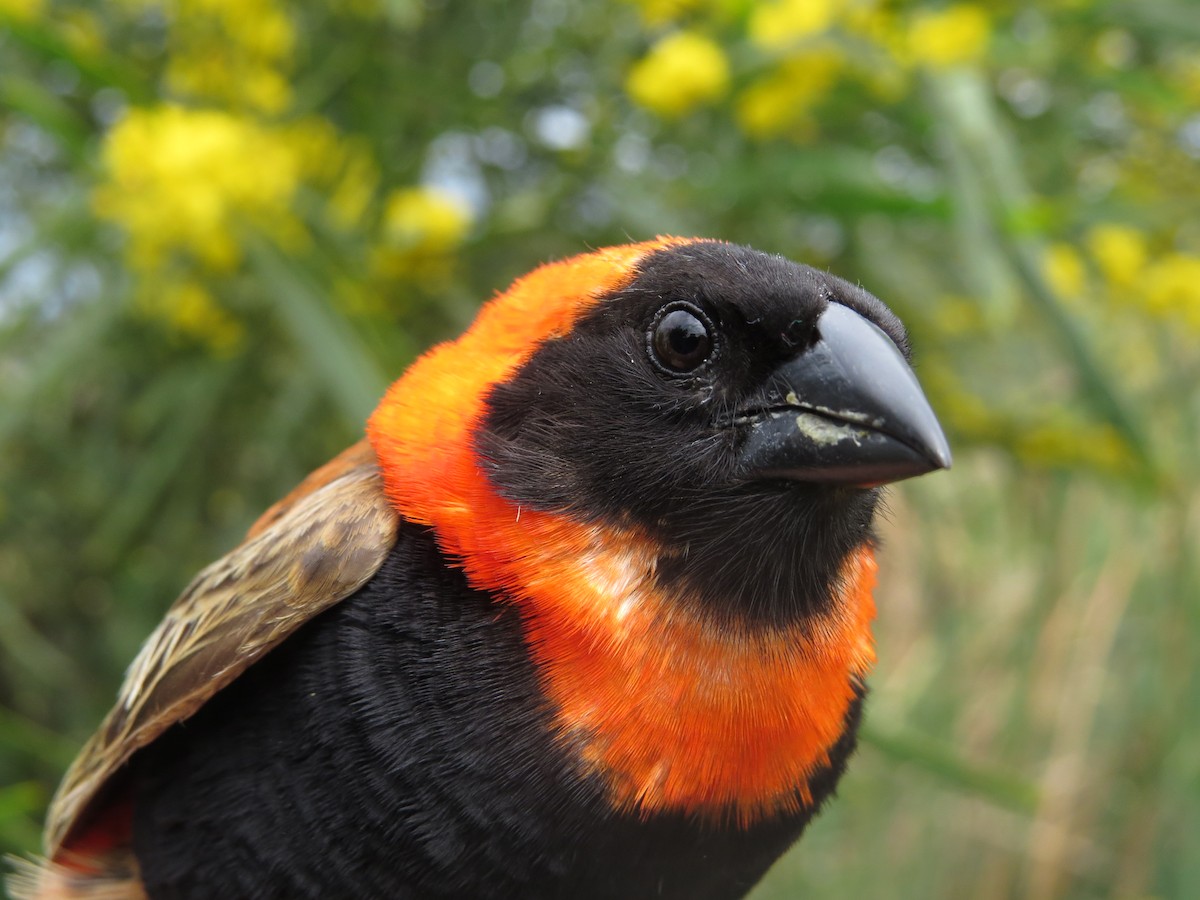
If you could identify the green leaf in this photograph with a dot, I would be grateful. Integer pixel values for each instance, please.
(21, 806)
(949, 767)
(22, 735)
(326, 340)
(98, 67)
(48, 111)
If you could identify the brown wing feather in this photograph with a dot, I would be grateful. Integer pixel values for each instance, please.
(309, 552)
(352, 457)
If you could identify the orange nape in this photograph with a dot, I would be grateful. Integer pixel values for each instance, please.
(675, 711)
(422, 429)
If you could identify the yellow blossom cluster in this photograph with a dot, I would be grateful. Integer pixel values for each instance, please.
(682, 71)
(182, 179)
(233, 52)
(185, 185)
(783, 102)
(781, 24)
(1119, 252)
(1172, 288)
(806, 46)
(948, 37)
(21, 10)
(1065, 271)
(932, 38)
(1049, 438)
(190, 181)
(188, 185)
(1166, 285)
(420, 228)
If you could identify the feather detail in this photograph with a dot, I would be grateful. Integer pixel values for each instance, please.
(309, 552)
(77, 879)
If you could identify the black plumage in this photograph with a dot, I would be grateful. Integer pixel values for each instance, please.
(398, 746)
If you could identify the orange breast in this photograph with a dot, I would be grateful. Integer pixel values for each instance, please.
(682, 713)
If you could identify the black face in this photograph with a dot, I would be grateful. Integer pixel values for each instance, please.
(653, 409)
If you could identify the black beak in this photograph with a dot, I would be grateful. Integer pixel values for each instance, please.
(846, 410)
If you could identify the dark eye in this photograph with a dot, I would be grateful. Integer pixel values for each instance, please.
(681, 339)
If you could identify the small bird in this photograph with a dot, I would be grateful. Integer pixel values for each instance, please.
(586, 615)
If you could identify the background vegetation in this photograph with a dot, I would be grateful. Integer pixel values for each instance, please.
(226, 224)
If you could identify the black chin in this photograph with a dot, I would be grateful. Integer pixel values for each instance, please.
(767, 553)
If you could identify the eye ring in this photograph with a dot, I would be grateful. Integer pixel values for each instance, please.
(681, 339)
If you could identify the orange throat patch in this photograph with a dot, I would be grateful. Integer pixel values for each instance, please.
(679, 712)
(675, 710)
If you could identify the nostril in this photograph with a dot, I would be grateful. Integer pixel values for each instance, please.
(800, 333)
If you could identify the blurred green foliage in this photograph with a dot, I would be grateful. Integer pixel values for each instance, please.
(224, 225)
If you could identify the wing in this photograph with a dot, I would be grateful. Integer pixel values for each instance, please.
(310, 551)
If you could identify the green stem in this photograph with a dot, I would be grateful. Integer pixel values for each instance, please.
(999, 787)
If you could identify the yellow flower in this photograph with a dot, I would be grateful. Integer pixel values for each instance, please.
(424, 218)
(782, 102)
(953, 36)
(420, 228)
(232, 51)
(184, 180)
(1064, 270)
(1119, 252)
(21, 10)
(1172, 287)
(260, 27)
(777, 25)
(681, 71)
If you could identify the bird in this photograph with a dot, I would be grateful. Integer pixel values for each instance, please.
(586, 614)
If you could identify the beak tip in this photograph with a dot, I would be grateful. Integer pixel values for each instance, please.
(933, 448)
(940, 455)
